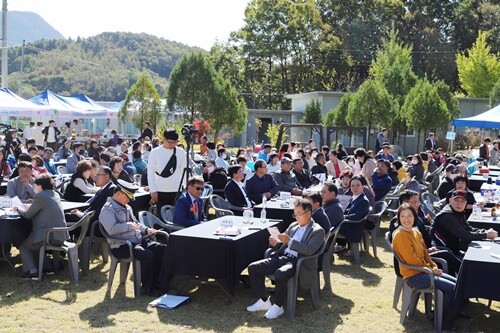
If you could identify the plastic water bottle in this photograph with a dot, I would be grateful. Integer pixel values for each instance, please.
(263, 214)
(476, 210)
(246, 216)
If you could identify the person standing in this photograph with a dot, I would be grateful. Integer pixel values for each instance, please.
(381, 139)
(51, 135)
(147, 133)
(484, 150)
(37, 133)
(28, 131)
(165, 168)
(430, 143)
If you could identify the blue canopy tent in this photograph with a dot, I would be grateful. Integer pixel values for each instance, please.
(488, 119)
(65, 107)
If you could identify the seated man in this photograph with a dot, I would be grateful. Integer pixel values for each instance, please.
(261, 184)
(286, 179)
(446, 184)
(22, 186)
(189, 206)
(301, 174)
(302, 238)
(47, 160)
(331, 204)
(385, 154)
(118, 220)
(235, 191)
(320, 168)
(381, 181)
(74, 158)
(318, 213)
(451, 229)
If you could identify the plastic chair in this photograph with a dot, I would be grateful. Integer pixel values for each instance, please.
(207, 191)
(61, 169)
(293, 282)
(92, 240)
(374, 218)
(353, 246)
(70, 248)
(411, 295)
(124, 266)
(151, 221)
(330, 241)
(398, 288)
(218, 203)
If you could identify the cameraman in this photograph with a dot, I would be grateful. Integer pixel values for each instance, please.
(165, 166)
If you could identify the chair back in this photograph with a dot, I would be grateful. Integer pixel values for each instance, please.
(61, 169)
(148, 219)
(208, 190)
(217, 202)
(167, 213)
(223, 212)
(83, 223)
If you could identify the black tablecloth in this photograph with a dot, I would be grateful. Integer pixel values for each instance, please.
(196, 251)
(275, 210)
(14, 230)
(3, 188)
(140, 203)
(486, 222)
(479, 274)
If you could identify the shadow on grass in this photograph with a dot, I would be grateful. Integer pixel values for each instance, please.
(358, 272)
(101, 314)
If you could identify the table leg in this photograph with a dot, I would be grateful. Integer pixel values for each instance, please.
(488, 307)
(229, 292)
(7, 258)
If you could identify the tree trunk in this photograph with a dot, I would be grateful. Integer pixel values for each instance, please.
(418, 141)
(368, 137)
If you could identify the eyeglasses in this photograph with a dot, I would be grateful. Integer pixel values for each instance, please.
(172, 142)
(101, 174)
(198, 188)
(299, 215)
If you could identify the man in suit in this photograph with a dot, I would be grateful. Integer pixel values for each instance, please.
(357, 208)
(331, 204)
(302, 238)
(235, 191)
(261, 184)
(147, 133)
(51, 135)
(484, 150)
(318, 213)
(189, 207)
(45, 213)
(430, 143)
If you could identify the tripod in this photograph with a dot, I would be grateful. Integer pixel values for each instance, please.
(186, 172)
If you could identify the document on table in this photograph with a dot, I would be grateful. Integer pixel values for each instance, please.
(274, 232)
(16, 201)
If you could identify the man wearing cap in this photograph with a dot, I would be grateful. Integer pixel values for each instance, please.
(261, 184)
(119, 222)
(451, 229)
(51, 134)
(285, 178)
(335, 166)
(166, 164)
(189, 206)
(74, 158)
(385, 154)
(446, 184)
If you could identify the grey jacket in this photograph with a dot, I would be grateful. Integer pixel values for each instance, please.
(117, 220)
(15, 187)
(311, 242)
(45, 212)
(286, 180)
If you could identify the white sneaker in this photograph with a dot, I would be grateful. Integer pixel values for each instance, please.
(274, 312)
(260, 305)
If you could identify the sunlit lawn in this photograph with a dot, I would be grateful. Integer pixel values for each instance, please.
(361, 302)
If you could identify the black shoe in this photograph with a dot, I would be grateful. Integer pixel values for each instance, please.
(154, 293)
(29, 276)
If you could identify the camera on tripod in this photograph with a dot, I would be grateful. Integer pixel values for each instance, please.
(188, 131)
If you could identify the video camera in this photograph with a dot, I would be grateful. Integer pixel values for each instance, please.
(188, 130)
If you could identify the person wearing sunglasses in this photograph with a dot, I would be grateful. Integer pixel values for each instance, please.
(189, 207)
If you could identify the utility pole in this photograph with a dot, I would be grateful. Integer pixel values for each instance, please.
(5, 73)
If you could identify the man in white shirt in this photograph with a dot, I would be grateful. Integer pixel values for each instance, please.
(37, 133)
(235, 191)
(166, 164)
(51, 133)
(28, 131)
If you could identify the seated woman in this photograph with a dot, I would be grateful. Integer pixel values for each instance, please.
(5, 169)
(416, 169)
(400, 169)
(116, 166)
(409, 245)
(79, 184)
(38, 166)
(216, 176)
(45, 212)
(345, 181)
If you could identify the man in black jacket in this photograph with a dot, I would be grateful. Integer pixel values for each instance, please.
(147, 133)
(451, 229)
(235, 190)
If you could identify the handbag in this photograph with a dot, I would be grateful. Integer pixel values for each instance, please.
(170, 167)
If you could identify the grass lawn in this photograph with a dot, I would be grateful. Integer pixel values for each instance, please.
(361, 302)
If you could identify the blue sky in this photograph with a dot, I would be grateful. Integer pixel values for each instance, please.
(192, 22)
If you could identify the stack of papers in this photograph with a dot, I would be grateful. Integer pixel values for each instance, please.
(169, 301)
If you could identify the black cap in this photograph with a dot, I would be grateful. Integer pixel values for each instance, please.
(171, 135)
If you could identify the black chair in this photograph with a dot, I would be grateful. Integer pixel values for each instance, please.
(219, 205)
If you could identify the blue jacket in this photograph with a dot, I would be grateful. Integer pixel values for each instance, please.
(49, 165)
(334, 211)
(355, 210)
(256, 185)
(381, 185)
(184, 214)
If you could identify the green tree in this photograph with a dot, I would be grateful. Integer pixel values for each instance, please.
(424, 109)
(227, 110)
(312, 113)
(192, 82)
(272, 133)
(495, 94)
(338, 115)
(371, 105)
(479, 70)
(143, 101)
